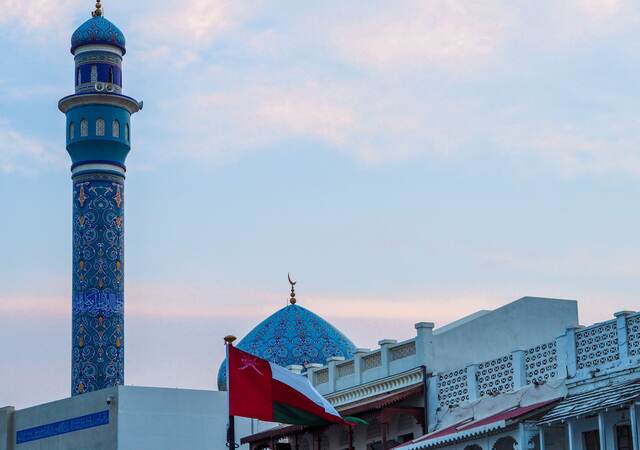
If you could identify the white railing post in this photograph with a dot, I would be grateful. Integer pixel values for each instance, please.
(357, 364)
(623, 341)
(385, 346)
(472, 382)
(561, 356)
(571, 353)
(295, 369)
(312, 368)
(331, 363)
(424, 343)
(434, 402)
(519, 369)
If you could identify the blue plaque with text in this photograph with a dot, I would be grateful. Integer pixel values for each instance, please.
(63, 427)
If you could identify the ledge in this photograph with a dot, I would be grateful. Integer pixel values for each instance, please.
(73, 101)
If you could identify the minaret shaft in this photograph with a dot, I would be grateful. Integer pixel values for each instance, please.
(98, 140)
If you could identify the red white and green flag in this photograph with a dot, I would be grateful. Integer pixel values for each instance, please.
(262, 390)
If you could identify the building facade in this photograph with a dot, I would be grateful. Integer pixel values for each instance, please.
(522, 376)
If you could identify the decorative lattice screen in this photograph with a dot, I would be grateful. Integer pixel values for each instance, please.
(597, 345)
(452, 387)
(404, 350)
(542, 362)
(495, 376)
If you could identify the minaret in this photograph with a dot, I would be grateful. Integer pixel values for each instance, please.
(98, 140)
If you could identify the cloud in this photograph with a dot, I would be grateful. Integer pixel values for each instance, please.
(180, 31)
(37, 18)
(422, 33)
(576, 149)
(26, 155)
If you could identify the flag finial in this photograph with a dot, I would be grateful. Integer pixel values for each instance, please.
(292, 300)
(98, 11)
(229, 339)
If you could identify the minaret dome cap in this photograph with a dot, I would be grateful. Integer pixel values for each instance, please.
(98, 31)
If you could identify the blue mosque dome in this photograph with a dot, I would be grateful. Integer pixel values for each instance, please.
(98, 31)
(293, 336)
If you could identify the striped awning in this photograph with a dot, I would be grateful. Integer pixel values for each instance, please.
(591, 402)
(477, 427)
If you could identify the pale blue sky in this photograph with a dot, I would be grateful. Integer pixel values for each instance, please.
(408, 161)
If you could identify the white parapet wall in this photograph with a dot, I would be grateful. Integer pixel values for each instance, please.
(485, 339)
(125, 417)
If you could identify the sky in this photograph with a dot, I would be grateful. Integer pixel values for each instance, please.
(406, 161)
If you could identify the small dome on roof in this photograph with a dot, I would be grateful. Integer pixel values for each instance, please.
(98, 31)
(293, 335)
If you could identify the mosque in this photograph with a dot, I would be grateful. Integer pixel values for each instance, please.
(523, 376)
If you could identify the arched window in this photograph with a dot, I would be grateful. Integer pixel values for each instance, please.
(72, 131)
(94, 74)
(116, 129)
(100, 127)
(111, 75)
(506, 443)
(84, 128)
(79, 77)
(126, 132)
(473, 447)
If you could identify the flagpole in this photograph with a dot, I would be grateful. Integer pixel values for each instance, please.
(231, 431)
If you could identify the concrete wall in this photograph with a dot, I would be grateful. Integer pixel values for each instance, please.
(522, 324)
(158, 419)
(6, 427)
(97, 438)
(139, 418)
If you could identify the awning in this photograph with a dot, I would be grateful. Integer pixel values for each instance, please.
(593, 401)
(471, 428)
(380, 401)
(351, 409)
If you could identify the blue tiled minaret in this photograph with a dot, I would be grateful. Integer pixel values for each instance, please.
(98, 133)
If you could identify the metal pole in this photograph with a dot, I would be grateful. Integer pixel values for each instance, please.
(572, 444)
(633, 417)
(522, 436)
(231, 431)
(351, 439)
(602, 431)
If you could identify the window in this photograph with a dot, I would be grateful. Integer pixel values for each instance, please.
(409, 437)
(100, 127)
(116, 129)
(591, 440)
(126, 132)
(79, 77)
(623, 437)
(84, 128)
(111, 75)
(473, 447)
(72, 131)
(505, 443)
(94, 74)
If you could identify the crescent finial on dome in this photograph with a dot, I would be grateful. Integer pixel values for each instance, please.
(98, 11)
(292, 300)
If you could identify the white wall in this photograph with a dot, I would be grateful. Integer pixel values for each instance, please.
(521, 324)
(159, 418)
(97, 438)
(140, 418)
(6, 427)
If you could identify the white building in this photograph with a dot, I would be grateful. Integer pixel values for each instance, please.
(522, 376)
